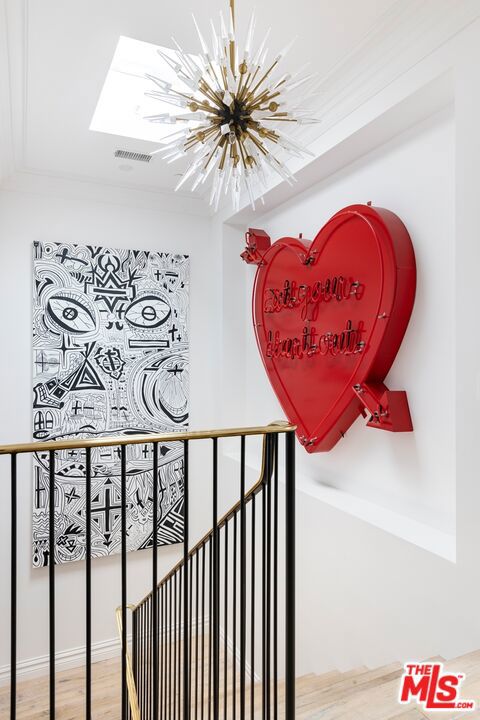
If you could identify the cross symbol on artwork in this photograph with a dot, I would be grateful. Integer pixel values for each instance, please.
(108, 507)
(39, 492)
(63, 255)
(175, 371)
(172, 331)
(72, 495)
(42, 361)
(157, 275)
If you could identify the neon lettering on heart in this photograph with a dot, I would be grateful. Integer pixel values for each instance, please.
(309, 297)
(346, 342)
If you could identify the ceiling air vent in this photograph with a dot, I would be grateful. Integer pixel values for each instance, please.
(127, 155)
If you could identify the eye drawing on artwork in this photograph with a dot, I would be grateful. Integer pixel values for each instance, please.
(148, 311)
(71, 313)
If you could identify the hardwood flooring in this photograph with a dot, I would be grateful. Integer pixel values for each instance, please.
(360, 694)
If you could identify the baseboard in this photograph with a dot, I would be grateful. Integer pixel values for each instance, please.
(103, 650)
(248, 667)
(64, 660)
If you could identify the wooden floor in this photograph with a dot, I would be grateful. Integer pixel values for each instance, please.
(361, 694)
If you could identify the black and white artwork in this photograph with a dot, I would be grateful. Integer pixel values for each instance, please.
(110, 357)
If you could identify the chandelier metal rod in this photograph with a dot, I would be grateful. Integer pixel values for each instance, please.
(232, 42)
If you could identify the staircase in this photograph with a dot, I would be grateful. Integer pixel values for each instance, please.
(359, 694)
(209, 640)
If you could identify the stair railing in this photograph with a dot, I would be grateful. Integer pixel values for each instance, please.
(206, 641)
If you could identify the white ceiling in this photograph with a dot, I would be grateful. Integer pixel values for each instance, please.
(69, 46)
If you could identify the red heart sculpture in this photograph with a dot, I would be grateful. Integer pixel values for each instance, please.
(329, 317)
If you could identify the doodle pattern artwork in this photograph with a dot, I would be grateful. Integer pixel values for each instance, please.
(110, 357)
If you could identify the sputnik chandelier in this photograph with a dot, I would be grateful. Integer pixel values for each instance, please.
(237, 107)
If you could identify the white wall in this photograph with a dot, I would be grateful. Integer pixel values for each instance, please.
(25, 218)
(411, 474)
(388, 532)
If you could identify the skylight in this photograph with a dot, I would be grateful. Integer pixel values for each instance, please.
(122, 105)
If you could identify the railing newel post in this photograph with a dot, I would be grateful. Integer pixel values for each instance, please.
(243, 578)
(51, 578)
(13, 587)
(290, 575)
(123, 502)
(88, 583)
(186, 655)
(155, 687)
(216, 597)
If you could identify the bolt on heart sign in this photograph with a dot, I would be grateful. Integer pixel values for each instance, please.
(329, 317)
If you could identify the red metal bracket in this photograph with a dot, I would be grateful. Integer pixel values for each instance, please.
(388, 408)
(258, 242)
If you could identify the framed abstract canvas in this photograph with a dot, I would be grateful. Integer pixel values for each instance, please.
(110, 357)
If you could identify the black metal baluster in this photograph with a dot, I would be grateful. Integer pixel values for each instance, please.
(275, 580)
(164, 651)
(51, 578)
(264, 580)
(252, 620)
(216, 598)
(172, 582)
(168, 593)
(159, 648)
(175, 629)
(268, 599)
(13, 587)
(186, 652)
(88, 583)
(243, 578)
(145, 660)
(210, 626)
(179, 635)
(190, 639)
(141, 655)
(150, 658)
(161, 651)
(225, 625)
(290, 576)
(155, 582)
(234, 620)
(123, 502)
(166, 698)
(197, 577)
(202, 682)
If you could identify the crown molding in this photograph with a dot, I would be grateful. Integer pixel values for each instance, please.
(91, 190)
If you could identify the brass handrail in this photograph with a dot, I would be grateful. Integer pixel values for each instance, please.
(285, 427)
(108, 441)
(131, 687)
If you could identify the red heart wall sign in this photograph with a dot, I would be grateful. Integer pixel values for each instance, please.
(329, 318)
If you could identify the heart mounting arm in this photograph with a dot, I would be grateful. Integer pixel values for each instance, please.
(258, 242)
(388, 409)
